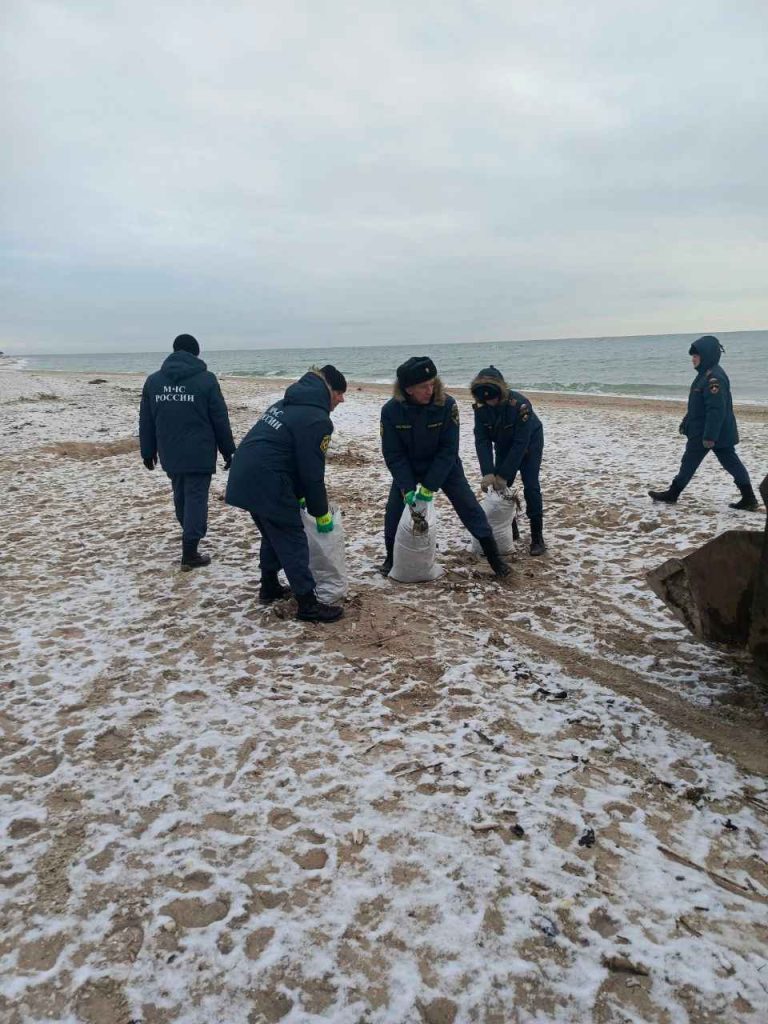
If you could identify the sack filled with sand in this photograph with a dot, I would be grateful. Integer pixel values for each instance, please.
(501, 511)
(414, 558)
(327, 558)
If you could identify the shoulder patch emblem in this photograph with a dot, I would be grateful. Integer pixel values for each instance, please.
(714, 385)
(455, 414)
(525, 412)
(324, 443)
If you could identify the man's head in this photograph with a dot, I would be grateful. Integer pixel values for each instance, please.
(337, 382)
(416, 376)
(186, 343)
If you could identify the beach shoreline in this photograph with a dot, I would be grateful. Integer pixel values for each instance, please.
(757, 413)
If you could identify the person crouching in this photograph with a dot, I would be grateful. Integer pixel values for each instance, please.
(279, 466)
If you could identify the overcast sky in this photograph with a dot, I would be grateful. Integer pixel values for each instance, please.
(276, 173)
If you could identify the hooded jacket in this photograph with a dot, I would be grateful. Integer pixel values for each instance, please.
(504, 432)
(282, 457)
(710, 414)
(183, 417)
(420, 443)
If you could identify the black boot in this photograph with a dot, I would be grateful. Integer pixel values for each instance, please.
(271, 589)
(312, 610)
(386, 566)
(749, 502)
(191, 557)
(669, 497)
(538, 547)
(491, 552)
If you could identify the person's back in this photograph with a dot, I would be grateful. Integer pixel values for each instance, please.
(282, 457)
(189, 417)
(183, 420)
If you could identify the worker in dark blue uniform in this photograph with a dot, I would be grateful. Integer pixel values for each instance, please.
(183, 419)
(710, 426)
(280, 466)
(509, 439)
(420, 444)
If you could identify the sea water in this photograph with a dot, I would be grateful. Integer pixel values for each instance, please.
(644, 366)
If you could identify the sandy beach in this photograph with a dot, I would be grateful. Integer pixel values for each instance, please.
(467, 801)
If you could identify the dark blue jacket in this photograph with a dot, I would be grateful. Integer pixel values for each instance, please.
(710, 407)
(420, 443)
(282, 457)
(504, 432)
(183, 417)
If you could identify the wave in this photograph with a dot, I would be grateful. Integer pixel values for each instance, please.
(13, 362)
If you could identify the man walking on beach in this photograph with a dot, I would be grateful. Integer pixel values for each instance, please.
(509, 438)
(420, 444)
(183, 418)
(280, 466)
(710, 425)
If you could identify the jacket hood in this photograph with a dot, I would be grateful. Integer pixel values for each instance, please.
(709, 348)
(311, 389)
(438, 395)
(182, 365)
(490, 375)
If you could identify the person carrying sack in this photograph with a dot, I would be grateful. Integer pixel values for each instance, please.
(277, 469)
(509, 439)
(183, 420)
(420, 445)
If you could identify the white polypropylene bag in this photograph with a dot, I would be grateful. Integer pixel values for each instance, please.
(414, 558)
(327, 558)
(500, 510)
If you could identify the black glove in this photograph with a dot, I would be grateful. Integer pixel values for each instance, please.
(227, 461)
(150, 463)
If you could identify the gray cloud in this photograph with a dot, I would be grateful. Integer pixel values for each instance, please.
(369, 173)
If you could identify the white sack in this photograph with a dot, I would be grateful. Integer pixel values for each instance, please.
(327, 558)
(415, 554)
(500, 511)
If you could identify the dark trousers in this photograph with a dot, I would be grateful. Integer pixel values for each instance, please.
(694, 455)
(190, 499)
(457, 491)
(284, 546)
(529, 474)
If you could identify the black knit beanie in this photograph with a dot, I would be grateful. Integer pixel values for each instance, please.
(416, 370)
(186, 343)
(336, 381)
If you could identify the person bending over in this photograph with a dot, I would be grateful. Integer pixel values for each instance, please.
(509, 439)
(280, 466)
(420, 444)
